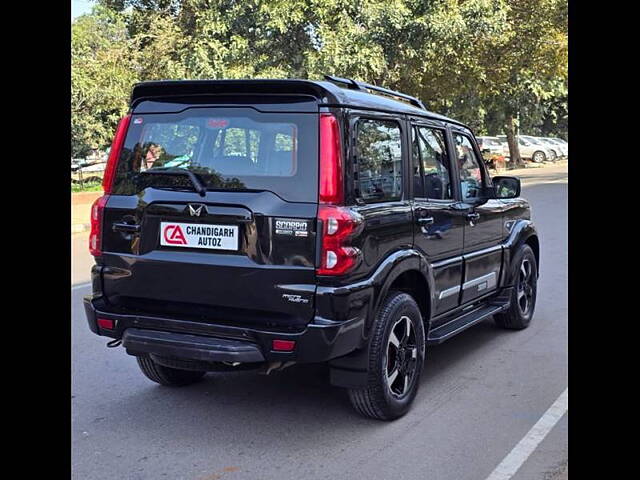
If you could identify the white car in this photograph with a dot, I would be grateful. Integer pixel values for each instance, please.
(550, 150)
(528, 150)
(563, 146)
(554, 149)
(490, 145)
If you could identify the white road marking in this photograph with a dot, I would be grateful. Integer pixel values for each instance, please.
(82, 285)
(525, 447)
(526, 183)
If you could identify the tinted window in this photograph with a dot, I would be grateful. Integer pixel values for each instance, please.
(469, 166)
(229, 149)
(431, 154)
(379, 155)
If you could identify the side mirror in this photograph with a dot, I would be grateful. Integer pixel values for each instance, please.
(506, 187)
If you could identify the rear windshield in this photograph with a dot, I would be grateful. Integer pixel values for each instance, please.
(227, 148)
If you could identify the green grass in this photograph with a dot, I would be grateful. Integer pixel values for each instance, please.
(88, 187)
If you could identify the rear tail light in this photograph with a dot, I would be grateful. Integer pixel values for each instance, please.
(331, 188)
(339, 225)
(114, 153)
(97, 209)
(97, 214)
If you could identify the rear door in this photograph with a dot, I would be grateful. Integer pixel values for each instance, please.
(241, 254)
(439, 225)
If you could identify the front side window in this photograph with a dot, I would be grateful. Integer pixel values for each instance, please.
(432, 155)
(469, 167)
(379, 155)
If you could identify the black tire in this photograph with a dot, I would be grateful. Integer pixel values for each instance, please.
(518, 316)
(171, 377)
(387, 395)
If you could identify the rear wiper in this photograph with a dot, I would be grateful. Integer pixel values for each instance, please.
(197, 184)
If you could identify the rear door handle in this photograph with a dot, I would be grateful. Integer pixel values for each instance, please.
(126, 227)
(473, 216)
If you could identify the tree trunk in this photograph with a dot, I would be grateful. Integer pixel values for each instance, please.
(514, 149)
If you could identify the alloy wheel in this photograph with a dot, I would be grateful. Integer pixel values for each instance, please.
(402, 357)
(525, 287)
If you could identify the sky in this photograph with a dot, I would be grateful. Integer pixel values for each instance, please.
(79, 7)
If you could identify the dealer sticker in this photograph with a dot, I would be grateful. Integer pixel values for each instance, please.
(190, 235)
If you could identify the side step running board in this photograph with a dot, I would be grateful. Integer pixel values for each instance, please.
(448, 330)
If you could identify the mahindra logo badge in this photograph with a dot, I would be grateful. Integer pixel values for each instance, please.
(196, 210)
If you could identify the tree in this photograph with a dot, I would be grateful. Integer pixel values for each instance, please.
(496, 65)
(102, 73)
(530, 63)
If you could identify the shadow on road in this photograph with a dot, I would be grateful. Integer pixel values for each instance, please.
(239, 406)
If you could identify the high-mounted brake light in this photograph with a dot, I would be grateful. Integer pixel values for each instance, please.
(95, 237)
(114, 154)
(331, 188)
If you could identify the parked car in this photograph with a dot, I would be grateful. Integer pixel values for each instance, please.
(563, 146)
(550, 150)
(87, 166)
(530, 150)
(347, 227)
(492, 145)
(554, 151)
(492, 152)
(85, 171)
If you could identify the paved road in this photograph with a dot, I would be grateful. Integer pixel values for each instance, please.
(481, 393)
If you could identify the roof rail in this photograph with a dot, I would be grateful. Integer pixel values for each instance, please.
(355, 85)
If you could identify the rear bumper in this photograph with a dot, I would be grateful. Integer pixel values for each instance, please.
(189, 347)
(318, 342)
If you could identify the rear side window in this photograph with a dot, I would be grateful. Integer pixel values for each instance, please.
(379, 156)
(228, 148)
(430, 151)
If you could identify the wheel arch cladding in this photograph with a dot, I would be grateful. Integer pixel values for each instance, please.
(534, 243)
(410, 275)
(415, 284)
(352, 369)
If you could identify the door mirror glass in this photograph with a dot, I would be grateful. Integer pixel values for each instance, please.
(506, 187)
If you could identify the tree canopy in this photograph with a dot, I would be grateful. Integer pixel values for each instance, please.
(498, 65)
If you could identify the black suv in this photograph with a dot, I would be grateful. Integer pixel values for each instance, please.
(255, 224)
